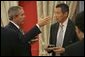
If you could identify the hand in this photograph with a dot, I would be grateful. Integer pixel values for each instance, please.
(49, 48)
(80, 34)
(44, 21)
(59, 50)
(34, 40)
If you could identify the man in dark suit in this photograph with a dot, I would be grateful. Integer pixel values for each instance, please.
(59, 40)
(2, 38)
(77, 49)
(16, 42)
(8, 43)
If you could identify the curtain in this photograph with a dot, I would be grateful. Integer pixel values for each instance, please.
(5, 5)
(30, 10)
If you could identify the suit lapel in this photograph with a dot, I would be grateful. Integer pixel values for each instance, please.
(20, 35)
(55, 33)
(67, 33)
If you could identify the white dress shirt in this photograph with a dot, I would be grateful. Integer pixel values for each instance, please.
(64, 30)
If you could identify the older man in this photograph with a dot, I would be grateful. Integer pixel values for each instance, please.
(15, 42)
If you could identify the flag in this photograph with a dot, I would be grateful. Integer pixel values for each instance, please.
(30, 9)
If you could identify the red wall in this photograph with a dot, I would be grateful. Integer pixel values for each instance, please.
(30, 9)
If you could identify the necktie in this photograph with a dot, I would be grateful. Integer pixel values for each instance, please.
(60, 38)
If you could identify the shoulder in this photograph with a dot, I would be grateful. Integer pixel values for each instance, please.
(71, 24)
(9, 31)
(11, 28)
(55, 24)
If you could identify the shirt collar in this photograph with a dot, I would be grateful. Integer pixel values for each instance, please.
(15, 24)
(65, 22)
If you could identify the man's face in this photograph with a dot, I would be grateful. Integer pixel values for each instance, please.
(59, 15)
(20, 17)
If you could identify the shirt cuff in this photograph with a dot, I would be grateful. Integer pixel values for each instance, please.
(38, 26)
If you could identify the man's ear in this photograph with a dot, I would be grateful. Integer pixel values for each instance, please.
(15, 17)
(66, 14)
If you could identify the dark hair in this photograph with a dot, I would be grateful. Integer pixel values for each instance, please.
(79, 22)
(64, 7)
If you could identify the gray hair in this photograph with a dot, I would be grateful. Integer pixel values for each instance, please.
(13, 11)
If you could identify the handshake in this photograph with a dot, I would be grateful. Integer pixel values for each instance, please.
(52, 48)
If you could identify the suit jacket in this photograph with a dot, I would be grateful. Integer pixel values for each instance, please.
(70, 34)
(2, 43)
(16, 44)
(7, 42)
(75, 49)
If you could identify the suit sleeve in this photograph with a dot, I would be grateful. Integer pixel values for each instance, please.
(75, 49)
(31, 34)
